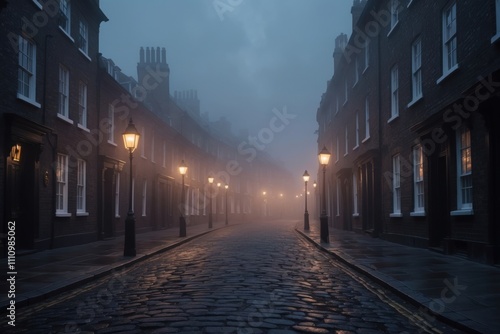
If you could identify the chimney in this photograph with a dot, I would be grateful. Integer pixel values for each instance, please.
(340, 44)
(356, 10)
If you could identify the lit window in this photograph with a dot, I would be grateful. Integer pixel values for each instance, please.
(26, 85)
(81, 186)
(63, 91)
(62, 184)
(464, 169)
(82, 104)
(418, 179)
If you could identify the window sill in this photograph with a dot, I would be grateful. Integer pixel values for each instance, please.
(393, 28)
(112, 143)
(117, 216)
(365, 140)
(64, 118)
(364, 71)
(28, 100)
(84, 128)
(495, 38)
(67, 34)
(390, 120)
(85, 55)
(462, 212)
(395, 215)
(82, 214)
(447, 74)
(414, 101)
(63, 214)
(355, 215)
(345, 154)
(355, 147)
(409, 3)
(417, 214)
(38, 4)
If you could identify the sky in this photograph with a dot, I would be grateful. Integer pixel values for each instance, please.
(249, 60)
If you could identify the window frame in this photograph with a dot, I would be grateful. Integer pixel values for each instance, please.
(396, 186)
(367, 119)
(418, 180)
(62, 186)
(81, 187)
(111, 124)
(83, 36)
(465, 207)
(394, 93)
(65, 13)
(449, 66)
(63, 109)
(82, 104)
(27, 55)
(416, 69)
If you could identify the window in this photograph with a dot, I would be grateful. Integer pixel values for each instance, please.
(464, 170)
(117, 196)
(356, 71)
(65, 15)
(337, 151)
(81, 187)
(337, 107)
(346, 151)
(367, 119)
(338, 196)
(111, 124)
(449, 38)
(26, 78)
(164, 164)
(394, 13)
(497, 13)
(62, 185)
(416, 69)
(63, 92)
(153, 147)
(357, 131)
(418, 179)
(355, 194)
(396, 185)
(83, 37)
(346, 96)
(394, 93)
(144, 197)
(367, 54)
(82, 104)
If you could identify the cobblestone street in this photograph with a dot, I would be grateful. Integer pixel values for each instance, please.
(250, 278)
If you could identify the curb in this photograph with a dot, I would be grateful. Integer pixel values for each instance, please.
(422, 304)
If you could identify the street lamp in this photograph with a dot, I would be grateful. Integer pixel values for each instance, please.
(306, 214)
(130, 140)
(226, 186)
(182, 220)
(216, 201)
(210, 181)
(324, 157)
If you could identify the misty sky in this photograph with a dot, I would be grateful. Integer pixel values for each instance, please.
(244, 57)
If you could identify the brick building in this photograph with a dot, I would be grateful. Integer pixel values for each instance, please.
(420, 80)
(64, 173)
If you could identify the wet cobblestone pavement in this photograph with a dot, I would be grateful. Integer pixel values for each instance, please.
(253, 278)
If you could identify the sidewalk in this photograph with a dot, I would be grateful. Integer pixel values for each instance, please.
(460, 292)
(46, 273)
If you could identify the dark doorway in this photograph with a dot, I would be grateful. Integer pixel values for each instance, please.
(438, 201)
(21, 197)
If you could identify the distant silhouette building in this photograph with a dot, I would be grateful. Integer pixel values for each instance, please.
(409, 119)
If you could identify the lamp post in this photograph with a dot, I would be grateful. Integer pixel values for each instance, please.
(306, 214)
(226, 186)
(216, 200)
(210, 181)
(182, 220)
(324, 157)
(130, 140)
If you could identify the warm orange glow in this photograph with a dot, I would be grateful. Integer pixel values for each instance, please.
(324, 156)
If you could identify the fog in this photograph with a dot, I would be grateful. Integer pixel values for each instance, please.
(247, 59)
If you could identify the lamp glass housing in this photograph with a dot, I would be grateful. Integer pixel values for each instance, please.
(324, 157)
(183, 168)
(131, 137)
